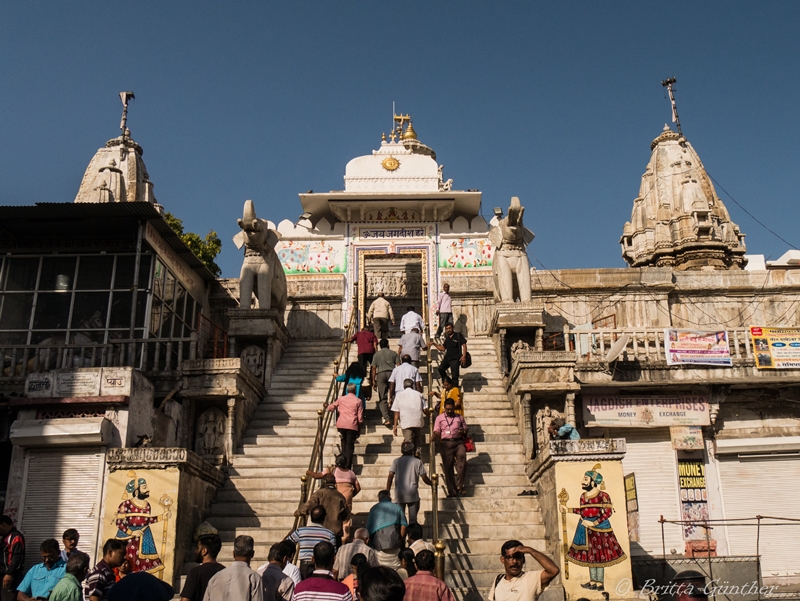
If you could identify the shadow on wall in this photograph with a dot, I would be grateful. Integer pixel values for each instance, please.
(460, 325)
(304, 322)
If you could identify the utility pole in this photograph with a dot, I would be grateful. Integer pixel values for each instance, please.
(667, 83)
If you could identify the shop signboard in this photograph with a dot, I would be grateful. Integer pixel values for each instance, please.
(645, 411)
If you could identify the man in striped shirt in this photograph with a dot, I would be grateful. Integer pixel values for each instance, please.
(101, 577)
(320, 584)
(307, 537)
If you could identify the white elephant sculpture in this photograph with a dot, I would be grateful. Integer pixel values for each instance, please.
(261, 266)
(510, 237)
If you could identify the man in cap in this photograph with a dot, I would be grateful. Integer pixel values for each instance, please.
(594, 544)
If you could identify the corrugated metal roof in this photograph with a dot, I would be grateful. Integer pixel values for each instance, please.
(69, 211)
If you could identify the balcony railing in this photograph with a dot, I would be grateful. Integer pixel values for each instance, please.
(644, 344)
(153, 356)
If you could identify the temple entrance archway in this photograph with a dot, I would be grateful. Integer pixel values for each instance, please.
(402, 276)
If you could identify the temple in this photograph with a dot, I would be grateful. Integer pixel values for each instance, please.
(125, 359)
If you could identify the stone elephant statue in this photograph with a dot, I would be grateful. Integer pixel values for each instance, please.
(510, 260)
(261, 270)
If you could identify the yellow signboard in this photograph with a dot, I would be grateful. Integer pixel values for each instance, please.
(776, 348)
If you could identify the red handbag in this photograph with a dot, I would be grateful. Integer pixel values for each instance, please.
(469, 444)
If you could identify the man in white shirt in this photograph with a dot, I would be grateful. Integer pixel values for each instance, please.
(401, 373)
(409, 414)
(516, 584)
(411, 320)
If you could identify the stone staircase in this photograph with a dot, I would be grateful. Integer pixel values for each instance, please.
(263, 489)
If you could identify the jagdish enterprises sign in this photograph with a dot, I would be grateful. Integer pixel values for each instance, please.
(610, 411)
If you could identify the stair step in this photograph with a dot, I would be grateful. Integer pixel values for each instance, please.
(459, 505)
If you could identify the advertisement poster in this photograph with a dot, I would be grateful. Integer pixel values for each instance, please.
(697, 347)
(686, 438)
(776, 348)
(694, 499)
(645, 411)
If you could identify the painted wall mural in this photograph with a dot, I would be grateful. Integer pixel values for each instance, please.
(138, 511)
(465, 253)
(594, 532)
(301, 257)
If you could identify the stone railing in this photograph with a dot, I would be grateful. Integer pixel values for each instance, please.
(152, 356)
(644, 344)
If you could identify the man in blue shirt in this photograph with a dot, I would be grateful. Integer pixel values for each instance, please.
(42, 578)
(387, 530)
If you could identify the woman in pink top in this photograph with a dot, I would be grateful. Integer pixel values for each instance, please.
(347, 484)
(351, 414)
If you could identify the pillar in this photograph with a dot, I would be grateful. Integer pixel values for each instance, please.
(229, 430)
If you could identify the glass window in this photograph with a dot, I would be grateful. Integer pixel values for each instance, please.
(124, 277)
(170, 284)
(121, 310)
(144, 271)
(180, 301)
(126, 264)
(94, 273)
(13, 338)
(58, 273)
(158, 279)
(52, 311)
(21, 273)
(90, 310)
(191, 319)
(15, 311)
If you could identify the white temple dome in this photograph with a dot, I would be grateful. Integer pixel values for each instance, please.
(406, 165)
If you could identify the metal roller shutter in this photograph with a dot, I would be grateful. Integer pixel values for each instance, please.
(62, 490)
(762, 486)
(650, 456)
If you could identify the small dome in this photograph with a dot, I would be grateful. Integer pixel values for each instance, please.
(410, 134)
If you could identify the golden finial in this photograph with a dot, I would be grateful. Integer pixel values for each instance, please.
(391, 136)
(410, 133)
(383, 137)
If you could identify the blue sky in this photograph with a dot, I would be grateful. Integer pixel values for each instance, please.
(554, 102)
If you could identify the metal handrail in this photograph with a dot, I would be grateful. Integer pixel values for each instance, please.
(439, 553)
(323, 425)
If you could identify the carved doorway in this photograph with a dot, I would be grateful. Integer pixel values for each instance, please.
(402, 277)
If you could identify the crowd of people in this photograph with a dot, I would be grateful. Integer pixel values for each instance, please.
(370, 568)
(66, 574)
(395, 377)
